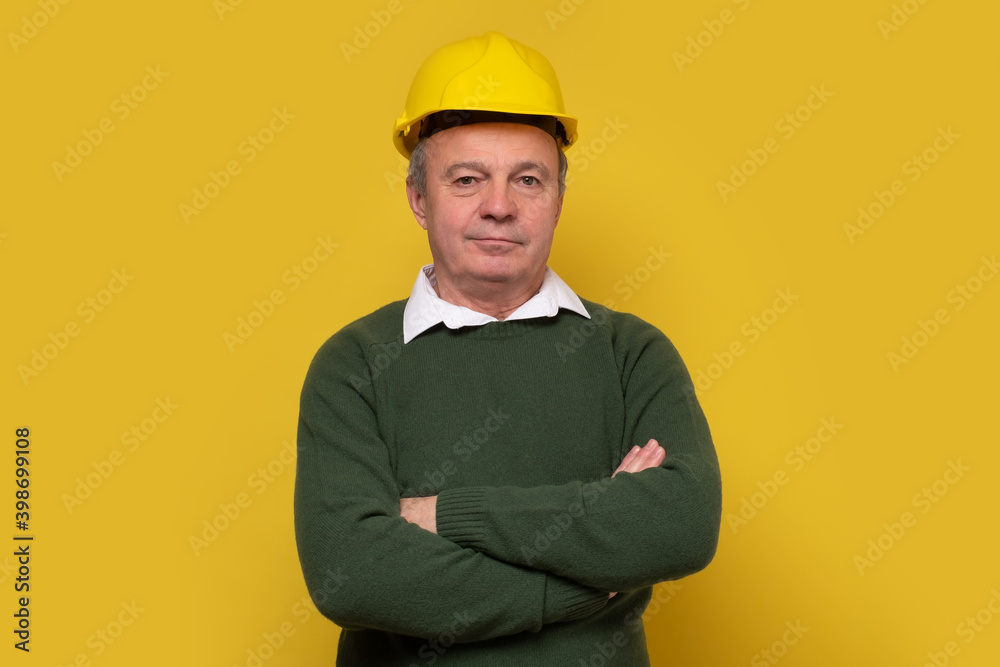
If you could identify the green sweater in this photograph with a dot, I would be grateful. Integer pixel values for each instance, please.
(517, 426)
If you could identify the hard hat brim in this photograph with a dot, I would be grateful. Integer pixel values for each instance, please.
(406, 133)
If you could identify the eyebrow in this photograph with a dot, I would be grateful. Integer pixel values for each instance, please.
(477, 165)
(529, 165)
(474, 165)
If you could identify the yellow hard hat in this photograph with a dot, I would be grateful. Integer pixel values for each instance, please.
(479, 75)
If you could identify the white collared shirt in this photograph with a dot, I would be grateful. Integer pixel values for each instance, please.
(425, 308)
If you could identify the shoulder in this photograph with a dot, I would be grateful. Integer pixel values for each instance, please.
(380, 328)
(621, 325)
(630, 336)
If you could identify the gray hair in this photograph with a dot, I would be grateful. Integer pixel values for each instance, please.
(416, 175)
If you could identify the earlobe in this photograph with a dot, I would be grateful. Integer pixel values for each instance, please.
(417, 203)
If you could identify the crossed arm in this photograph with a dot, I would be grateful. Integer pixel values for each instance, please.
(423, 511)
(657, 523)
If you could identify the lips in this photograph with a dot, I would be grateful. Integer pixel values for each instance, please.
(495, 239)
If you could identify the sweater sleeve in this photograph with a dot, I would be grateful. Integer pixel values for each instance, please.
(368, 568)
(620, 533)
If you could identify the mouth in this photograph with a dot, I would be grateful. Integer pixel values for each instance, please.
(494, 239)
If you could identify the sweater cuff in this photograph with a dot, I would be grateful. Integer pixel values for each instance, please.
(461, 516)
(566, 600)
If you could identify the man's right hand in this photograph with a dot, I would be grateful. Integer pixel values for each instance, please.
(638, 459)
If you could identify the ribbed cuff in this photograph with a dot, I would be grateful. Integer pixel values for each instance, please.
(566, 600)
(461, 516)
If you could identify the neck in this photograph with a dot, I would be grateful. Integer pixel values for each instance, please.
(497, 300)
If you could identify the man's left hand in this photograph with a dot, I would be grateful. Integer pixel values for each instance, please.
(421, 511)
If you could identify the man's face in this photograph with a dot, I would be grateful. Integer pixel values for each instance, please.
(492, 203)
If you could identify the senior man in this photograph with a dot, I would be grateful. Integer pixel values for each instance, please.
(495, 471)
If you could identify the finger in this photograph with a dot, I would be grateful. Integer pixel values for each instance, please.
(641, 460)
(627, 460)
(632, 453)
(655, 456)
(637, 453)
(659, 456)
(651, 456)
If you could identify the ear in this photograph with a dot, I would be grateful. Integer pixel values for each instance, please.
(559, 204)
(418, 204)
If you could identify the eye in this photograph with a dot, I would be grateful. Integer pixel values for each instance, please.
(466, 180)
(529, 180)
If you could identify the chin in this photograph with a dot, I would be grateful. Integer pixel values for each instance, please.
(495, 271)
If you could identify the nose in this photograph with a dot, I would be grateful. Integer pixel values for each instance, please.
(498, 202)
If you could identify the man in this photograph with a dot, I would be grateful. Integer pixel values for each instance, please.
(480, 474)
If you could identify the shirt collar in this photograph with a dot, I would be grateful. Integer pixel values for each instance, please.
(425, 308)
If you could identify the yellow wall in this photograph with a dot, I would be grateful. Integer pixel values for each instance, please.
(871, 539)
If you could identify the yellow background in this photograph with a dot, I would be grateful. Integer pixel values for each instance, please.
(332, 173)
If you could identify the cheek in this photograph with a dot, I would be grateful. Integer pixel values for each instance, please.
(540, 207)
(543, 218)
(439, 218)
(446, 232)
(451, 213)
